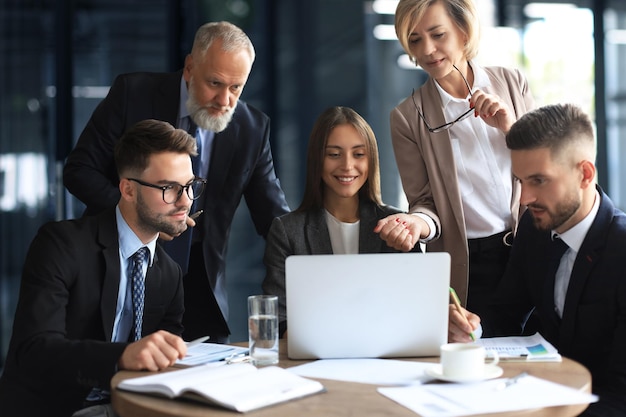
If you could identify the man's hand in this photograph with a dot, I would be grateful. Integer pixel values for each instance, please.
(153, 352)
(402, 231)
(461, 325)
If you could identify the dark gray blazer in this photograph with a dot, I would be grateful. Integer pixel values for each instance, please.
(306, 233)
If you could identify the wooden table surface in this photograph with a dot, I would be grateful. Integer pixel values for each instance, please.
(346, 398)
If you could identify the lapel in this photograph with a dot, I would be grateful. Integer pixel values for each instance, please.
(316, 235)
(545, 270)
(108, 240)
(153, 279)
(368, 221)
(587, 257)
(441, 144)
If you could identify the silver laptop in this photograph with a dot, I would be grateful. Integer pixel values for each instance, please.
(368, 305)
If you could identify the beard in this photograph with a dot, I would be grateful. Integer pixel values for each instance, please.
(562, 213)
(152, 222)
(202, 117)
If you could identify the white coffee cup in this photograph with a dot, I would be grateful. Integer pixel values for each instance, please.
(465, 361)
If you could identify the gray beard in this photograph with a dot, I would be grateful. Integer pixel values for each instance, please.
(212, 123)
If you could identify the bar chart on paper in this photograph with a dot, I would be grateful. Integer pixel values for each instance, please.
(522, 348)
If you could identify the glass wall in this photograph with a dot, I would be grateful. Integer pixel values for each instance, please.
(615, 53)
(58, 59)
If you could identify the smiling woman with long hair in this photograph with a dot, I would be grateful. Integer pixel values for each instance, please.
(341, 203)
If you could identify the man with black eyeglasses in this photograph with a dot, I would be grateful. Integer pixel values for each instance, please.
(98, 294)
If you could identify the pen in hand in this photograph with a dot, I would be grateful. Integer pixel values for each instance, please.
(196, 214)
(457, 305)
(197, 341)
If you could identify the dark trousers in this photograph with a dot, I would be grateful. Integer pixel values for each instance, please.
(488, 258)
(203, 316)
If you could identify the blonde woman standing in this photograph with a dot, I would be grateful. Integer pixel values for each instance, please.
(448, 139)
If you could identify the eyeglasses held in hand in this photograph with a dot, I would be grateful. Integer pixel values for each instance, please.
(172, 192)
(449, 124)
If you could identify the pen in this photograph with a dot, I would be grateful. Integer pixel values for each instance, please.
(196, 214)
(197, 341)
(511, 381)
(238, 359)
(457, 304)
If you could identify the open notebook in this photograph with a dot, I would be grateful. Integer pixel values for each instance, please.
(367, 305)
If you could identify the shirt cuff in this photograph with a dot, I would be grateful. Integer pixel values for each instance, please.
(431, 226)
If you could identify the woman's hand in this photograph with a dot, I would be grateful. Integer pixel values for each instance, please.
(492, 110)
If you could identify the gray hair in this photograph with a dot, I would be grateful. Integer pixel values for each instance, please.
(233, 38)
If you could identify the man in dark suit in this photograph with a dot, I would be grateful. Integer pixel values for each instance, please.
(75, 315)
(578, 293)
(235, 157)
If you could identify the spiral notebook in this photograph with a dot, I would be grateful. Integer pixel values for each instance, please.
(367, 305)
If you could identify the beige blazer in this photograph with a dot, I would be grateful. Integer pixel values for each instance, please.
(428, 172)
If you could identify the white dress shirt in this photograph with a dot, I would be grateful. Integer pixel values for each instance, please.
(574, 238)
(483, 164)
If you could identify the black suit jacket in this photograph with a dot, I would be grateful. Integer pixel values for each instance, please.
(593, 327)
(241, 163)
(60, 347)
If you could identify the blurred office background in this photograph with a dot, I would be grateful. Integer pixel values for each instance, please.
(58, 58)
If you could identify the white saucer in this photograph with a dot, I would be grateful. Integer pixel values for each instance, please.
(491, 372)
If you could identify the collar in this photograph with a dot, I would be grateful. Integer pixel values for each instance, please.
(481, 81)
(575, 236)
(128, 240)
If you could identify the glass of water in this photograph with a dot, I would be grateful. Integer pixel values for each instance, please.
(263, 329)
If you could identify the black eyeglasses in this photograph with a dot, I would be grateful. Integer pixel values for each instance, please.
(172, 192)
(449, 124)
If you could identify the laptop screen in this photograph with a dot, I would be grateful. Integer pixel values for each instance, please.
(367, 305)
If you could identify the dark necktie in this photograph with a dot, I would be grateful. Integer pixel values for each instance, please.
(195, 160)
(138, 290)
(560, 283)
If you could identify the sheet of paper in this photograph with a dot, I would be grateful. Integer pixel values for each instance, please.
(454, 400)
(526, 348)
(368, 371)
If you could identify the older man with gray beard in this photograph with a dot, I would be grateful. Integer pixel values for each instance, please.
(234, 156)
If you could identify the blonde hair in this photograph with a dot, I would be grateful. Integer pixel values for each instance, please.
(462, 12)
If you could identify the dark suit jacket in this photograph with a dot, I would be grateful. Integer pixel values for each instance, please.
(60, 347)
(306, 233)
(241, 163)
(593, 328)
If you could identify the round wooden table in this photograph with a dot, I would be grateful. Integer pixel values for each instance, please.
(347, 398)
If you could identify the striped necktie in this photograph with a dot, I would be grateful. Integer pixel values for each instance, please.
(138, 290)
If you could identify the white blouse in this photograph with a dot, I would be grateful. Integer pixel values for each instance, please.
(344, 237)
